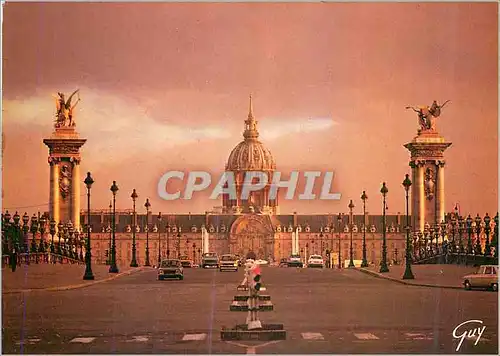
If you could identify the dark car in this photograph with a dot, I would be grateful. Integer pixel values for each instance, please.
(170, 269)
(283, 263)
(186, 262)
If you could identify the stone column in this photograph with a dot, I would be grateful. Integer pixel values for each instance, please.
(54, 190)
(421, 196)
(441, 201)
(75, 197)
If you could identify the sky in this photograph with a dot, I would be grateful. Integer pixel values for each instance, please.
(165, 86)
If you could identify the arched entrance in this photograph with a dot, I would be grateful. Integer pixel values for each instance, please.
(252, 233)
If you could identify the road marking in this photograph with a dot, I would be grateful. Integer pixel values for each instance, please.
(28, 341)
(139, 339)
(366, 336)
(194, 337)
(83, 340)
(312, 336)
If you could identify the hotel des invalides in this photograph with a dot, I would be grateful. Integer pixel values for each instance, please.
(240, 226)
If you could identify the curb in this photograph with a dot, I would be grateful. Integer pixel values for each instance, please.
(73, 286)
(379, 275)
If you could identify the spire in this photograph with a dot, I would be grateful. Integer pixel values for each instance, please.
(250, 109)
(250, 132)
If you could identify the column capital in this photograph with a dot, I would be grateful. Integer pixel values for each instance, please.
(417, 163)
(75, 160)
(440, 163)
(53, 160)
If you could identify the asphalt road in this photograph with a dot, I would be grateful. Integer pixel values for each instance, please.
(323, 311)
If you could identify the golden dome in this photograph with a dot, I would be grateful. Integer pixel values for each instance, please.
(250, 154)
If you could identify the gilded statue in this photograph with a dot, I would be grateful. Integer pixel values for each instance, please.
(64, 114)
(427, 115)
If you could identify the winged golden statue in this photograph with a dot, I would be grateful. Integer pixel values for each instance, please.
(64, 114)
(427, 115)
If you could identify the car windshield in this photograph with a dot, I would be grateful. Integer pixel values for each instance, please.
(170, 263)
(228, 258)
(315, 257)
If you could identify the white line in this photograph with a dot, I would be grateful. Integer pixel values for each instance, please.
(83, 340)
(312, 336)
(366, 336)
(139, 339)
(194, 337)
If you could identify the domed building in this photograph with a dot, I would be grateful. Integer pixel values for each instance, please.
(250, 155)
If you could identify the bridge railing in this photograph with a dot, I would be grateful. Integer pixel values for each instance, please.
(37, 258)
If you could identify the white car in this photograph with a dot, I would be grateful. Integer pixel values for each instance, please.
(315, 261)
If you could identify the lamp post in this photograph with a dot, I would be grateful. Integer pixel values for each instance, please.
(113, 268)
(34, 229)
(487, 230)
(60, 228)
(408, 272)
(383, 265)
(52, 233)
(469, 232)
(26, 220)
(133, 263)
(88, 256)
(364, 197)
(159, 239)
(339, 220)
(26, 249)
(43, 221)
(194, 252)
(351, 205)
(179, 244)
(147, 205)
(478, 232)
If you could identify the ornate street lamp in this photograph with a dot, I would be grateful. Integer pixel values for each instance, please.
(71, 231)
(147, 205)
(88, 255)
(194, 252)
(383, 265)
(461, 230)
(364, 197)
(408, 272)
(469, 232)
(339, 220)
(26, 220)
(179, 244)
(52, 233)
(60, 228)
(478, 231)
(34, 229)
(159, 239)
(487, 230)
(113, 268)
(133, 263)
(351, 206)
(43, 221)
(17, 230)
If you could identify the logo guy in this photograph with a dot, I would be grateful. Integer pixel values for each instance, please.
(468, 333)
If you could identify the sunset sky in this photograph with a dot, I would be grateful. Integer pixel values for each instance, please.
(165, 86)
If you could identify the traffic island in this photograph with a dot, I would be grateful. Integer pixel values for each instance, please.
(268, 332)
(253, 302)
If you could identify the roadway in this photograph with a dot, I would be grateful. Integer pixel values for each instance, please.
(323, 311)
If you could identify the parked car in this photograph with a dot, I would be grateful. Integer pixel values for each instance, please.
(186, 262)
(283, 263)
(315, 261)
(295, 261)
(486, 277)
(228, 262)
(210, 260)
(170, 269)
